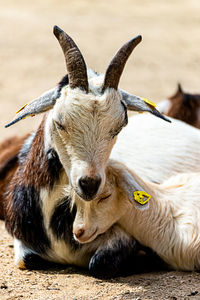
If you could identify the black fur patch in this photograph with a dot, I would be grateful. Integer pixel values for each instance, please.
(62, 222)
(126, 115)
(35, 262)
(26, 222)
(64, 81)
(54, 165)
(26, 147)
(111, 262)
(189, 98)
(123, 259)
(10, 164)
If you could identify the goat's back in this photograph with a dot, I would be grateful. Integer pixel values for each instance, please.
(156, 150)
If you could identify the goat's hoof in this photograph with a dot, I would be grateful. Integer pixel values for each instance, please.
(21, 265)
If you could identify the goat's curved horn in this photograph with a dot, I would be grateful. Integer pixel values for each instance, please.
(76, 66)
(117, 64)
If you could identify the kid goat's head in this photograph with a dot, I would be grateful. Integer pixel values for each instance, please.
(116, 200)
(87, 112)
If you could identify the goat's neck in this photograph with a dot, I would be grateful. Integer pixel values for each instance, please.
(38, 166)
(148, 225)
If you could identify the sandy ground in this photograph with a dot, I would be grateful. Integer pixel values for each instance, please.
(31, 62)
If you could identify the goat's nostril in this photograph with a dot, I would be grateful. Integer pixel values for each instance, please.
(89, 185)
(79, 232)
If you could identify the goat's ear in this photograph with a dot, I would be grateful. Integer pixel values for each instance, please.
(179, 89)
(39, 105)
(135, 193)
(136, 103)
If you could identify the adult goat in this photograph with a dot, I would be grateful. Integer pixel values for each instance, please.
(71, 145)
(87, 111)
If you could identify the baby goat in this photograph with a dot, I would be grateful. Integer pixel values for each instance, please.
(182, 106)
(168, 223)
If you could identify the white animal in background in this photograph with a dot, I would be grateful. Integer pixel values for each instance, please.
(168, 222)
(156, 150)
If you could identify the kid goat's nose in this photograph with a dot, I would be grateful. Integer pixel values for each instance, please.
(79, 232)
(89, 186)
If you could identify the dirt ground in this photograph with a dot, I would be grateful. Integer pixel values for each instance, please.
(31, 62)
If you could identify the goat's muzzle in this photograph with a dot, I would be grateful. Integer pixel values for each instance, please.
(89, 187)
(83, 236)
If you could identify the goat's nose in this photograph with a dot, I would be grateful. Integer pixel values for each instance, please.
(79, 232)
(89, 186)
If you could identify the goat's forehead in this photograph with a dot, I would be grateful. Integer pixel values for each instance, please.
(76, 103)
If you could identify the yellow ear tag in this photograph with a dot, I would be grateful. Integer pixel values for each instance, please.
(141, 197)
(22, 108)
(149, 102)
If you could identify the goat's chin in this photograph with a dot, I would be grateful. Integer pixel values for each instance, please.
(87, 239)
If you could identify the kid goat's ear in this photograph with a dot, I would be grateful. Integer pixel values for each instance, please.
(136, 103)
(39, 105)
(135, 193)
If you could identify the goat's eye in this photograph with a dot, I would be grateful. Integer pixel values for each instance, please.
(103, 198)
(118, 129)
(59, 126)
(115, 132)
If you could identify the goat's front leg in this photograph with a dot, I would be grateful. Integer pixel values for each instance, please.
(122, 255)
(114, 255)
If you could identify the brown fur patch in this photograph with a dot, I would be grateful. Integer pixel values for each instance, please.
(35, 170)
(35, 162)
(9, 150)
(185, 107)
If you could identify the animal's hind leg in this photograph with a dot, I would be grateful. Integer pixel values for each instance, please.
(25, 258)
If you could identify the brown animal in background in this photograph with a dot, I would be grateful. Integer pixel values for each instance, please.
(9, 150)
(182, 106)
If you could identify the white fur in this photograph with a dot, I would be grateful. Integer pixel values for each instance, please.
(20, 253)
(51, 198)
(170, 226)
(164, 106)
(157, 150)
(85, 144)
